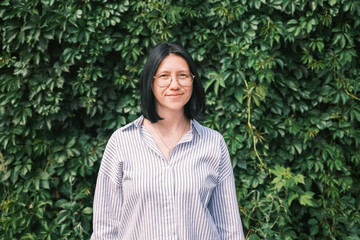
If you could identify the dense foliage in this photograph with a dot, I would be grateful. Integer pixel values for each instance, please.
(282, 86)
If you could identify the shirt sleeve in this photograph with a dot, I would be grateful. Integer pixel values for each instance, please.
(223, 205)
(108, 195)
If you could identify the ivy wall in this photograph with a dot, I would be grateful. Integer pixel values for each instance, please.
(282, 80)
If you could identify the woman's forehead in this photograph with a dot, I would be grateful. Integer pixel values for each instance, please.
(173, 62)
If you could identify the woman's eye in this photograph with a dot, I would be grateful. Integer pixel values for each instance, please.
(164, 75)
(183, 75)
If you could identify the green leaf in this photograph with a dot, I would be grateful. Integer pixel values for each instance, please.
(299, 178)
(306, 199)
(209, 83)
(68, 52)
(87, 210)
(332, 2)
(239, 95)
(292, 197)
(63, 215)
(292, 21)
(71, 142)
(314, 229)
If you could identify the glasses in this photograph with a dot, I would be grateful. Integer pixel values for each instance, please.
(164, 79)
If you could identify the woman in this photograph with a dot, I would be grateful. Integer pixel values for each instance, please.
(165, 176)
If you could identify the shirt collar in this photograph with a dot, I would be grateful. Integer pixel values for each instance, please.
(138, 122)
(197, 126)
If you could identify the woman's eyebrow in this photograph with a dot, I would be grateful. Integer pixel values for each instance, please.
(179, 70)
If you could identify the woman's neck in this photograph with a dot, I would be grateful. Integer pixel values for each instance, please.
(172, 121)
(168, 132)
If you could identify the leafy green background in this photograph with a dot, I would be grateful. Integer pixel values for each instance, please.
(282, 86)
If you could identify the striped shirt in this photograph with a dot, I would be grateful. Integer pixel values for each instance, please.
(140, 195)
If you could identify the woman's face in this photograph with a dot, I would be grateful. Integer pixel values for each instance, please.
(174, 96)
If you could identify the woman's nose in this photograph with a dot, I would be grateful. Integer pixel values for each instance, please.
(174, 84)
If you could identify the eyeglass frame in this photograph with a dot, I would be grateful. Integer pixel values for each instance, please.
(192, 79)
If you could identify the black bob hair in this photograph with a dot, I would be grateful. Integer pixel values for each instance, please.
(194, 108)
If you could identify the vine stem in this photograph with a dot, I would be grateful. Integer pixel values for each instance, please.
(336, 76)
(256, 152)
(251, 126)
(247, 235)
(351, 95)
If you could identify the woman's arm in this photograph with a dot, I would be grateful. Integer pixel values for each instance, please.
(108, 195)
(107, 209)
(223, 205)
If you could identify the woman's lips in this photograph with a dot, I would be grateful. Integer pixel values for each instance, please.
(174, 95)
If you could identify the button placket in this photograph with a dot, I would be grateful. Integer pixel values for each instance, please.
(170, 200)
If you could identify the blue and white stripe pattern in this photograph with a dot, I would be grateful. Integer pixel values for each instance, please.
(140, 195)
